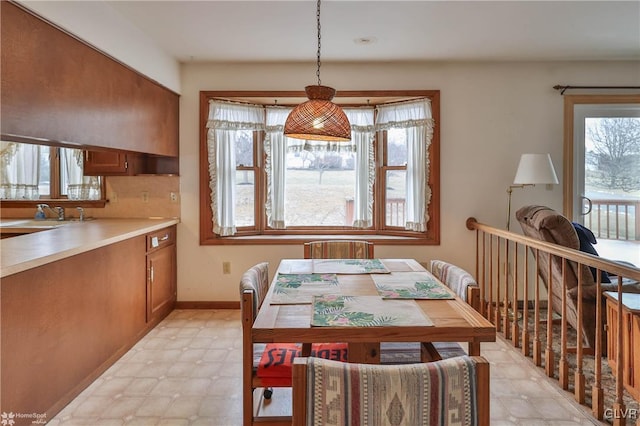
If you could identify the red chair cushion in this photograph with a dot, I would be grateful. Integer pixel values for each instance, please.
(277, 359)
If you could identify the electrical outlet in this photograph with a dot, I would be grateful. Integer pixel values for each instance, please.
(226, 267)
(173, 196)
(145, 196)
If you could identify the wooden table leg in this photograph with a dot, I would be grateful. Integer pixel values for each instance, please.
(474, 348)
(365, 353)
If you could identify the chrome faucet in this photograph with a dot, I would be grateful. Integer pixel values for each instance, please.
(59, 211)
(81, 211)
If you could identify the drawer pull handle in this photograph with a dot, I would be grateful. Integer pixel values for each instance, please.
(165, 238)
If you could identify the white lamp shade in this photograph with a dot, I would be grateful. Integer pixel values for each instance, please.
(535, 168)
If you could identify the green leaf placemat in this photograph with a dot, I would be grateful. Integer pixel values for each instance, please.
(366, 311)
(349, 266)
(411, 285)
(300, 288)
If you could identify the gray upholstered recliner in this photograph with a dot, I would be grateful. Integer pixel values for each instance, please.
(545, 224)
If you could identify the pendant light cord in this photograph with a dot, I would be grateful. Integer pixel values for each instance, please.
(318, 19)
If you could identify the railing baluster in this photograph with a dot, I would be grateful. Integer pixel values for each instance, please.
(578, 374)
(515, 331)
(597, 393)
(563, 369)
(599, 221)
(537, 344)
(618, 405)
(497, 318)
(626, 222)
(505, 302)
(617, 223)
(525, 304)
(549, 361)
(491, 261)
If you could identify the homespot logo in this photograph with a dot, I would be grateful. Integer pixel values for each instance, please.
(9, 419)
(626, 413)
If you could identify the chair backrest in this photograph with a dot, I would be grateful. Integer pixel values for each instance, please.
(256, 280)
(451, 391)
(458, 280)
(545, 224)
(338, 249)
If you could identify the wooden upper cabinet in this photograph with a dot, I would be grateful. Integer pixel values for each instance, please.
(102, 163)
(59, 90)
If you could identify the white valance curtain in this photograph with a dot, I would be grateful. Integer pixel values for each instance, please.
(415, 117)
(362, 138)
(225, 119)
(79, 187)
(276, 148)
(19, 171)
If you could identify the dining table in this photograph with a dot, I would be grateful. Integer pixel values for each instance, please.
(314, 301)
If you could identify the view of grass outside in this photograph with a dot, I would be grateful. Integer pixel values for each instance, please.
(320, 184)
(612, 176)
(314, 197)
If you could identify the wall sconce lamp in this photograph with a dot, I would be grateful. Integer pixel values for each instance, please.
(533, 169)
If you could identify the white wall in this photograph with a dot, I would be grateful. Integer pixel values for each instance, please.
(490, 112)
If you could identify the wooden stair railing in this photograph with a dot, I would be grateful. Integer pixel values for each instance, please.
(505, 289)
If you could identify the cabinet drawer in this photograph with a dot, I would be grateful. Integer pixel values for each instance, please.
(161, 238)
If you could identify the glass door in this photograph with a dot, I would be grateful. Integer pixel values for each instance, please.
(606, 169)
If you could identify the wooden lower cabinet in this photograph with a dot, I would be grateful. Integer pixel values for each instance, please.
(161, 273)
(64, 323)
(630, 339)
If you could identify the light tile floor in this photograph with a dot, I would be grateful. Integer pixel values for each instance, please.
(187, 371)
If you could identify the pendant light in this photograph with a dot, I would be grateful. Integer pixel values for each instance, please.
(318, 118)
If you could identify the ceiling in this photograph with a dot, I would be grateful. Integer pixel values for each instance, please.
(389, 30)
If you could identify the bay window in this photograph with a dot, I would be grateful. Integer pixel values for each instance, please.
(263, 186)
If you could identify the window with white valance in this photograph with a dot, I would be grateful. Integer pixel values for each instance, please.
(32, 172)
(263, 183)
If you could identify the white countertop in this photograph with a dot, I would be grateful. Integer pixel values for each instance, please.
(28, 251)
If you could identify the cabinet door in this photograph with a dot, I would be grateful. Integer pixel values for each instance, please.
(103, 163)
(161, 281)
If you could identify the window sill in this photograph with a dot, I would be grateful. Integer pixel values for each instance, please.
(302, 238)
(52, 202)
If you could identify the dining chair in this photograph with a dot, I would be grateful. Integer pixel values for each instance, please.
(254, 285)
(338, 249)
(458, 280)
(447, 392)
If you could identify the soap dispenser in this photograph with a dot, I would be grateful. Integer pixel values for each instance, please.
(40, 213)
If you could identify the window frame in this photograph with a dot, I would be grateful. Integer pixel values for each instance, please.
(54, 196)
(380, 232)
(569, 160)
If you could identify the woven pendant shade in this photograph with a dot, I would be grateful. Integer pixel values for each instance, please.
(318, 118)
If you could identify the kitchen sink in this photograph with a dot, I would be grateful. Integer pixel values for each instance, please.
(15, 227)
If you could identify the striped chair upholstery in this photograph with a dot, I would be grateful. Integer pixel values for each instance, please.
(338, 249)
(458, 280)
(454, 391)
(256, 279)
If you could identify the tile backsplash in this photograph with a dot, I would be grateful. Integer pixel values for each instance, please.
(129, 197)
(141, 196)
